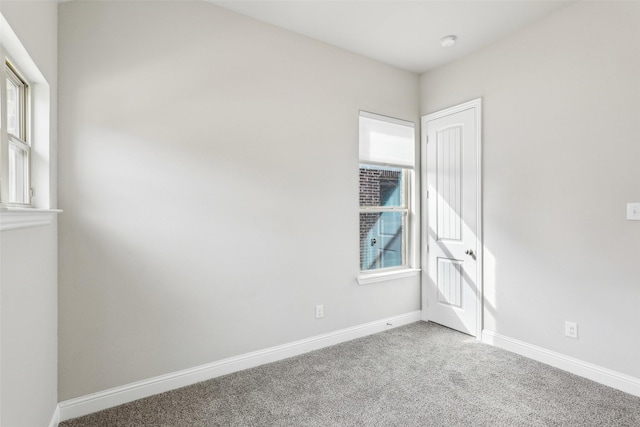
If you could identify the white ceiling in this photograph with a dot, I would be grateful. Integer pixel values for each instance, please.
(405, 34)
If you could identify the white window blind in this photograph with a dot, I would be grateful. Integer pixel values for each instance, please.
(386, 141)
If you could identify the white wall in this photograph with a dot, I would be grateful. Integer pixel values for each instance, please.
(29, 326)
(209, 177)
(561, 106)
(28, 261)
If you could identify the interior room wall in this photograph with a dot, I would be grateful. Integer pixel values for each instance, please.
(29, 356)
(209, 177)
(561, 102)
(28, 261)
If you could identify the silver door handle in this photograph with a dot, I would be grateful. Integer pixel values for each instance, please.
(469, 252)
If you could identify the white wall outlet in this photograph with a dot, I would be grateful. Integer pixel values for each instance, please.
(571, 329)
(319, 311)
(633, 211)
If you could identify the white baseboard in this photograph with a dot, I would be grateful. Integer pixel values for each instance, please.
(596, 373)
(127, 393)
(55, 418)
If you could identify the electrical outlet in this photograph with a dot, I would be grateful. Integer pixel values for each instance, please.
(319, 311)
(633, 211)
(571, 329)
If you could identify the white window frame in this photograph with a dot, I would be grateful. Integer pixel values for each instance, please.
(411, 233)
(21, 140)
(403, 209)
(38, 133)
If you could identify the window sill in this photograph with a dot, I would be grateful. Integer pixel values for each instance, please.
(367, 278)
(12, 218)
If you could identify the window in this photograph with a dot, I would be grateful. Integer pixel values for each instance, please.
(387, 148)
(383, 217)
(15, 136)
(27, 139)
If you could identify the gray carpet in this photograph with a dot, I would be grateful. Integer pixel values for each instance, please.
(417, 375)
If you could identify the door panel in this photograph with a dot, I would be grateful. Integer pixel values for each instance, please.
(448, 167)
(452, 280)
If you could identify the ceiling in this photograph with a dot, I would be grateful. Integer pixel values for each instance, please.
(405, 34)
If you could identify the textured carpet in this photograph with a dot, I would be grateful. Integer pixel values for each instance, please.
(417, 375)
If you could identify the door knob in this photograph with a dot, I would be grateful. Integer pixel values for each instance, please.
(373, 242)
(469, 252)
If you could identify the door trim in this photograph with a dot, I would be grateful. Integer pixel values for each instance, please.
(475, 104)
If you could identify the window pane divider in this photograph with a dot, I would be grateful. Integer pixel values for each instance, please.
(19, 143)
(374, 209)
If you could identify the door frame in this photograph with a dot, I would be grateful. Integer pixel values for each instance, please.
(475, 104)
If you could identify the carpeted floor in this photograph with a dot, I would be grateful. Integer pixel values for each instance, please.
(421, 374)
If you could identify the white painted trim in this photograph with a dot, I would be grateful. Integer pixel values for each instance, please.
(365, 279)
(388, 119)
(55, 418)
(13, 218)
(424, 218)
(596, 373)
(476, 105)
(127, 393)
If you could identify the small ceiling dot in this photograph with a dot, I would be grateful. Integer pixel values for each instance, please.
(448, 41)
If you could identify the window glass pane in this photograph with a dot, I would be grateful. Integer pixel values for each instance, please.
(381, 186)
(382, 236)
(18, 175)
(13, 108)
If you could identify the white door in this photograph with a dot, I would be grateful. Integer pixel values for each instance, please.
(452, 289)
